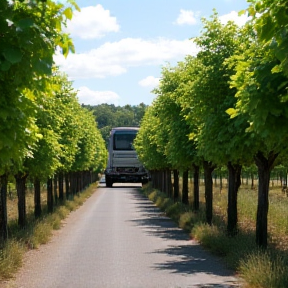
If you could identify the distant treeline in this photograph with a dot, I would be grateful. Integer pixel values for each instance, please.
(109, 115)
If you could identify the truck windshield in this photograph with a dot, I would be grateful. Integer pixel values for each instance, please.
(123, 140)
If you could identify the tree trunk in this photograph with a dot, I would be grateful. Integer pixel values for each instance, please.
(264, 169)
(61, 190)
(169, 183)
(252, 180)
(78, 182)
(158, 180)
(50, 195)
(176, 185)
(72, 184)
(55, 188)
(234, 182)
(21, 193)
(208, 169)
(3, 210)
(185, 191)
(37, 198)
(196, 188)
(67, 186)
(163, 188)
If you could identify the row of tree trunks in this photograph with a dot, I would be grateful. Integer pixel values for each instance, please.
(78, 181)
(264, 165)
(159, 182)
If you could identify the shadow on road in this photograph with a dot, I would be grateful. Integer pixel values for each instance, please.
(187, 256)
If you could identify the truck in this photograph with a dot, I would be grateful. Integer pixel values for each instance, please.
(123, 163)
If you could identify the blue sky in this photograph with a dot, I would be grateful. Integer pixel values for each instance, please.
(122, 45)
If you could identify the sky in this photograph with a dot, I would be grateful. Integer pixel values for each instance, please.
(122, 45)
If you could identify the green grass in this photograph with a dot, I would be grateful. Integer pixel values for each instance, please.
(36, 232)
(258, 268)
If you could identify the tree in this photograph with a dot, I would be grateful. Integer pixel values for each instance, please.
(179, 150)
(30, 33)
(219, 139)
(262, 103)
(270, 18)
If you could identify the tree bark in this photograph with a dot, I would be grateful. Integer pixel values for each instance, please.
(55, 188)
(208, 169)
(50, 199)
(37, 198)
(185, 191)
(21, 193)
(61, 190)
(67, 186)
(265, 166)
(72, 184)
(176, 185)
(163, 183)
(234, 182)
(3, 210)
(196, 187)
(169, 183)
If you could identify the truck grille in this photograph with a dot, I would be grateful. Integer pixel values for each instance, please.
(124, 155)
(127, 169)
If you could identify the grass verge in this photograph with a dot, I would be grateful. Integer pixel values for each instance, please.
(36, 233)
(258, 268)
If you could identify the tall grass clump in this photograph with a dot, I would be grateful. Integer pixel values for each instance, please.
(174, 211)
(264, 269)
(42, 232)
(212, 238)
(10, 259)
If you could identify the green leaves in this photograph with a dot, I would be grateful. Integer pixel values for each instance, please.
(68, 13)
(30, 33)
(13, 55)
(24, 23)
(5, 65)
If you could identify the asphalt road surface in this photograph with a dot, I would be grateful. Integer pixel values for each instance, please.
(118, 238)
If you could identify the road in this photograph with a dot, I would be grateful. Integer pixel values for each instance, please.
(118, 238)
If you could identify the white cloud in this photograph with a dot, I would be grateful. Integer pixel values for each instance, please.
(115, 58)
(87, 96)
(186, 17)
(92, 22)
(149, 81)
(233, 16)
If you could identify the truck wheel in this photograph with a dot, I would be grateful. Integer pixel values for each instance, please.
(109, 182)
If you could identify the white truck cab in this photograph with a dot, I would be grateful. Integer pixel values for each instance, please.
(123, 164)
